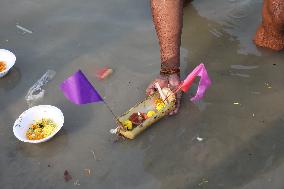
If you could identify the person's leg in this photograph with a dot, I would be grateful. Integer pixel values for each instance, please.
(167, 17)
(270, 34)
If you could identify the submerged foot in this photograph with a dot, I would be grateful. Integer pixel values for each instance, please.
(265, 39)
(270, 34)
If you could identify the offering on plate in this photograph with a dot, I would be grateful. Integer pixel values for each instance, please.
(38, 124)
(41, 129)
(144, 114)
(3, 66)
(7, 61)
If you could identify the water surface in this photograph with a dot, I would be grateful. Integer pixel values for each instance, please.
(240, 120)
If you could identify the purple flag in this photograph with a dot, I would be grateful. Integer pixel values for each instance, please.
(79, 90)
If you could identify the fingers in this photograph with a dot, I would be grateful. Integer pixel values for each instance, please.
(173, 82)
(178, 99)
(150, 89)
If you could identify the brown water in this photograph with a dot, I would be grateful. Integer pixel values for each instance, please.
(240, 120)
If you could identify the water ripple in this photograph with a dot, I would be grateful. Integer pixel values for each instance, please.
(242, 67)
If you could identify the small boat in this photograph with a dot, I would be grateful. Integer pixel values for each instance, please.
(144, 114)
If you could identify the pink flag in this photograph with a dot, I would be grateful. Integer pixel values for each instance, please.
(204, 82)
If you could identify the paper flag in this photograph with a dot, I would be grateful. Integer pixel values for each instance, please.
(79, 90)
(204, 82)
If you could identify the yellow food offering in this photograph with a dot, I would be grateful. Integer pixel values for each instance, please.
(159, 104)
(2, 66)
(151, 113)
(41, 129)
(127, 124)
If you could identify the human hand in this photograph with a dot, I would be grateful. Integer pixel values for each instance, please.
(172, 81)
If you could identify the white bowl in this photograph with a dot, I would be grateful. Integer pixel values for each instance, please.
(23, 123)
(9, 58)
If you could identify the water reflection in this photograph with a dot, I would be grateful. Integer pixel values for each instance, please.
(243, 67)
(238, 18)
(11, 80)
(45, 150)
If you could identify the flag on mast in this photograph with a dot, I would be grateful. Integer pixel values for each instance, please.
(204, 82)
(79, 90)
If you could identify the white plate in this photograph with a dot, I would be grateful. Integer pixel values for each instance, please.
(9, 58)
(29, 116)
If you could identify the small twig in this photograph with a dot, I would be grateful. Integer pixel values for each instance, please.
(94, 155)
(77, 183)
(24, 29)
(87, 172)
(161, 92)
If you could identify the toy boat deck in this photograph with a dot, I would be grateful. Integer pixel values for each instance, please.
(145, 106)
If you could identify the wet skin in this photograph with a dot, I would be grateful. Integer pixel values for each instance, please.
(167, 18)
(270, 33)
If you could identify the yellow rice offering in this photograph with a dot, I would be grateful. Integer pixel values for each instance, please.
(41, 129)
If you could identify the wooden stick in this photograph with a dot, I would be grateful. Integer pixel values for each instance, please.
(160, 91)
(110, 110)
(174, 92)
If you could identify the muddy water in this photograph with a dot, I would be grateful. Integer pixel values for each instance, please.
(231, 139)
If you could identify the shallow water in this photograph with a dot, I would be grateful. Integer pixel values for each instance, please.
(240, 120)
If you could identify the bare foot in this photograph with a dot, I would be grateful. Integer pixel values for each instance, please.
(263, 38)
(270, 33)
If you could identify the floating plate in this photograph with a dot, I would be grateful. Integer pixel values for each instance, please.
(23, 123)
(9, 59)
